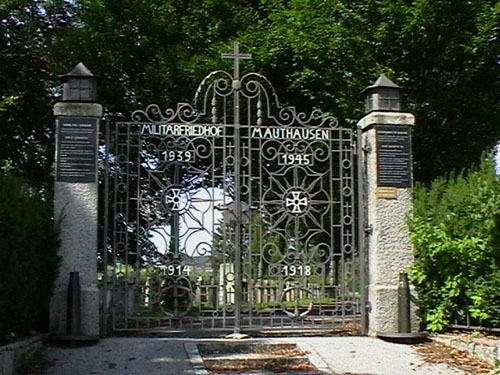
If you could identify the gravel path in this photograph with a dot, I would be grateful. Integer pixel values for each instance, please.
(162, 356)
(121, 356)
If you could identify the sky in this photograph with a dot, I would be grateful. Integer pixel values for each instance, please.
(496, 152)
(201, 214)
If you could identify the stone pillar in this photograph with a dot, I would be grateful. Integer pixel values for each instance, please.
(386, 140)
(75, 199)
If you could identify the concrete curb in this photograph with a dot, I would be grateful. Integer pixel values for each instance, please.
(195, 358)
(312, 355)
(484, 349)
(315, 358)
(13, 355)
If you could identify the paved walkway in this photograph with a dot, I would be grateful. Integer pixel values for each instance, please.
(368, 356)
(162, 356)
(121, 356)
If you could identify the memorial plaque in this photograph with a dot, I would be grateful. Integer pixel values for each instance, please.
(386, 192)
(76, 149)
(394, 156)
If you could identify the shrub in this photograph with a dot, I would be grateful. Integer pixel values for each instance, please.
(28, 257)
(456, 232)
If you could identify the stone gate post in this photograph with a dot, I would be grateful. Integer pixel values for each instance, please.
(386, 139)
(75, 200)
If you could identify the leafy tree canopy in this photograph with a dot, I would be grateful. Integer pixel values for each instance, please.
(318, 53)
(27, 29)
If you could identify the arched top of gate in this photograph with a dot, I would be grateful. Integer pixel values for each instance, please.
(214, 103)
(256, 87)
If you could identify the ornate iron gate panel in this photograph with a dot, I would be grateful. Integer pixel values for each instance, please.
(231, 213)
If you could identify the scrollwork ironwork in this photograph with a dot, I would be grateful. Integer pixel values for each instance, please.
(174, 218)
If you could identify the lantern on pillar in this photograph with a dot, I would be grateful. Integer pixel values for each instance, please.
(79, 85)
(383, 95)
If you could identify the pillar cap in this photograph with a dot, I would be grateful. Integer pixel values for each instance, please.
(382, 81)
(80, 70)
(386, 118)
(383, 95)
(79, 85)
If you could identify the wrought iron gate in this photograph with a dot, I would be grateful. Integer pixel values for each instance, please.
(230, 213)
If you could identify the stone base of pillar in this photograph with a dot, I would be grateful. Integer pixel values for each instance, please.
(383, 311)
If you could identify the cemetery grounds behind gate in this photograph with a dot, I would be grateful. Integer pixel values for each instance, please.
(232, 213)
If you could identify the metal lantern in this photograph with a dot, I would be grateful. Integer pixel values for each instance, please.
(79, 85)
(383, 95)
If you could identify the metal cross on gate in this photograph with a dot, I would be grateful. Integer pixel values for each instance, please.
(237, 57)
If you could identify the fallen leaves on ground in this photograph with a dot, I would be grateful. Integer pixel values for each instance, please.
(435, 352)
(303, 367)
(287, 352)
(242, 366)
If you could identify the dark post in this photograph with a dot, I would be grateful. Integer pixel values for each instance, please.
(73, 319)
(404, 304)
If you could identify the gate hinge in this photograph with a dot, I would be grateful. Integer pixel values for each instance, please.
(369, 229)
(367, 148)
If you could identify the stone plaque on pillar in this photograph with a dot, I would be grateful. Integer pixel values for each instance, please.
(76, 159)
(393, 156)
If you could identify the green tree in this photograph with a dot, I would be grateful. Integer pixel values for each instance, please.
(452, 69)
(27, 29)
(456, 233)
(318, 53)
(323, 53)
(150, 51)
(29, 262)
